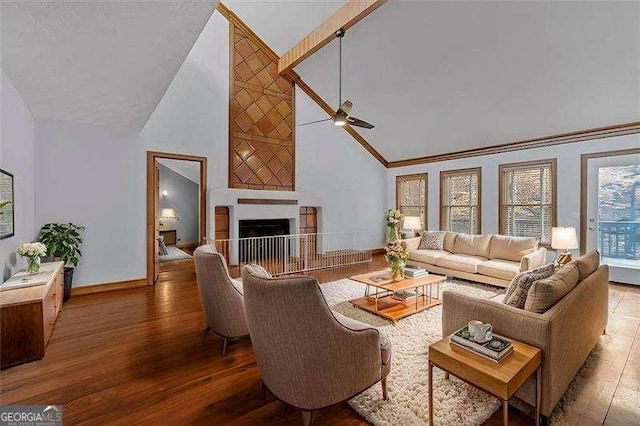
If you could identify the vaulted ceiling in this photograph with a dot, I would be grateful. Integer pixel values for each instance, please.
(438, 77)
(106, 63)
(434, 77)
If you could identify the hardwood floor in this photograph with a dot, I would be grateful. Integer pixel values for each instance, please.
(141, 356)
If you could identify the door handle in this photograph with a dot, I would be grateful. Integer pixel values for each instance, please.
(591, 220)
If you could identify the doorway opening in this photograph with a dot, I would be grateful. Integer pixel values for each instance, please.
(176, 208)
(610, 214)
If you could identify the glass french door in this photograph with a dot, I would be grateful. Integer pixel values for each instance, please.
(613, 214)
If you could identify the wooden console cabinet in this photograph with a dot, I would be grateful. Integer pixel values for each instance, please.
(170, 236)
(28, 314)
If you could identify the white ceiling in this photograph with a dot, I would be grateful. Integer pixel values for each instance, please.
(186, 168)
(438, 77)
(283, 23)
(106, 63)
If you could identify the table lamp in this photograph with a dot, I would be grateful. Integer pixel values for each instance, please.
(167, 214)
(412, 222)
(564, 238)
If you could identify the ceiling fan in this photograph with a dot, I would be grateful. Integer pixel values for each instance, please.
(341, 116)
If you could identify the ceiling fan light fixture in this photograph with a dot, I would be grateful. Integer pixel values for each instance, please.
(340, 119)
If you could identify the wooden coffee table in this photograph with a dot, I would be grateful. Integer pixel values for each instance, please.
(382, 303)
(501, 379)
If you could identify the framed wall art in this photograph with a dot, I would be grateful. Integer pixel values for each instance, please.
(7, 213)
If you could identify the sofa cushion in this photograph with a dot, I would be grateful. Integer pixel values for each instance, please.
(511, 248)
(545, 293)
(460, 262)
(502, 269)
(497, 298)
(473, 245)
(587, 264)
(518, 290)
(237, 284)
(258, 271)
(427, 256)
(432, 240)
(449, 241)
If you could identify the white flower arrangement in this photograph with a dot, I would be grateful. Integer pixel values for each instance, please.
(393, 217)
(32, 250)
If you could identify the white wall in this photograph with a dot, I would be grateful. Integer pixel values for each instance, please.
(568, 157)
(96, 176)
(17, 156)
(347, 179)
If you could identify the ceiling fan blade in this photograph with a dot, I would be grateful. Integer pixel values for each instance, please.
(359, 123)
(346, 107)
(314, 122)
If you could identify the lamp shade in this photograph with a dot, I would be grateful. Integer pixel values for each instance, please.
(411, 222)
(168, 213)
(564, 238)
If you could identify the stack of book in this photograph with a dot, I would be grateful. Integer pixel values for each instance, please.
(495, 349)
(411, 271)
(403, 295)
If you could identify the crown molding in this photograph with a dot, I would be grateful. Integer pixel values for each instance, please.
(559, 139)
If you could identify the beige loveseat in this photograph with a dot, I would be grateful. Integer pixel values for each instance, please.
(566, 333)
(491, 259)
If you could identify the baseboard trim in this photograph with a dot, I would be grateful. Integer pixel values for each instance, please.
(101, 288)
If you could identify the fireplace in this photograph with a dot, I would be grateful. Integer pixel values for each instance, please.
(253, 246)
(263, 227)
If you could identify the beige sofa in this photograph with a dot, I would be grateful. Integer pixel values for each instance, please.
(566, 333)
(490, 259)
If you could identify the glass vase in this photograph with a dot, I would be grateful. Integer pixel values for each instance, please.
(397, 270)
(393, 234)
(33, 265)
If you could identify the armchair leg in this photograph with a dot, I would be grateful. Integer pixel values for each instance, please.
(224, 346)
(307, 418)
(385, 396)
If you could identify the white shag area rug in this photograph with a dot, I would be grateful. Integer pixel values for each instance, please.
(174, 253)
(455, 402)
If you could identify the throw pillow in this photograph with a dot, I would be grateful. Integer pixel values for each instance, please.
(432, 240)
(162, 248)
(587, 264)
(519, 288)
(258, 271)
(545, 293)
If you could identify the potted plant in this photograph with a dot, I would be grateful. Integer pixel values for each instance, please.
(63, 242)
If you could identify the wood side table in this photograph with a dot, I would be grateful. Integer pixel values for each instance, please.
(501, 380)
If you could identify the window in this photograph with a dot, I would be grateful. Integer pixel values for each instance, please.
(411, 196)
(528, 199)
(460, 200)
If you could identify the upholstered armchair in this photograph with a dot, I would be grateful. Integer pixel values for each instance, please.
(308, 356)
(221, 296)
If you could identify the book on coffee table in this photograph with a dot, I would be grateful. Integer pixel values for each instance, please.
(415, 273)
(495, 349)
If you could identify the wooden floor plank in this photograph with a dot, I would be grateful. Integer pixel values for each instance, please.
(142, 356)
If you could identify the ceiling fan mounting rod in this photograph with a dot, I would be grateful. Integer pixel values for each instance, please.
(340, 34)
